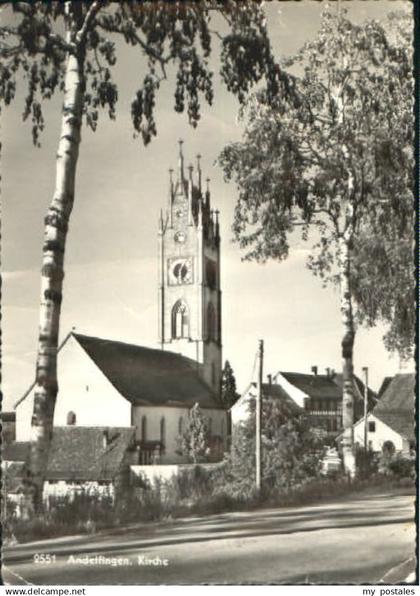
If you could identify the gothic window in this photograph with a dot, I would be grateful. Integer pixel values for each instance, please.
(213, 373)
(144, 428)
(210, 424)
(180, 425)
(162, 432)
(180, 322)
(222, 429)
(211, 322)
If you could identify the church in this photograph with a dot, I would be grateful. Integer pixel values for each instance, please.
(109, 384)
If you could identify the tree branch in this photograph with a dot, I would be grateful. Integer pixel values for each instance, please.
(90, 16)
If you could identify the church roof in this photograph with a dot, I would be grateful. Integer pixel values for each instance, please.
(149, 377)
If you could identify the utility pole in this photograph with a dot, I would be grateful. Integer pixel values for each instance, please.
(365, 412)
(258, 416)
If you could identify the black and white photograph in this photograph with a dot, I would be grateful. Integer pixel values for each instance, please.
(208, 298)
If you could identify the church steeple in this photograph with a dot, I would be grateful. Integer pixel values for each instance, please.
(189, 278)
(180, 163)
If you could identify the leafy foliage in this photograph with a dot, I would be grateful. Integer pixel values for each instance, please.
(334, 159)
(228, 393)
(194, 441)
(178, 35)
(291, 452)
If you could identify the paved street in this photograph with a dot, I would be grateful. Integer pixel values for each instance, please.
(361, 539)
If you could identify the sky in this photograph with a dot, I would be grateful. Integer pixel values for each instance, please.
(110, 286)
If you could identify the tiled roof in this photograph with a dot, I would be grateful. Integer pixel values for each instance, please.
(399, 394)
(79, 453)
(360, 388)
(384, 386)
(315, 386)
(17, 451)
(145, 376)
(8, 416)
(274, 391)
(396, 406)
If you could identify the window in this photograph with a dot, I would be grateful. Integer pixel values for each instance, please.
(372, 426)
(211, 322)
(213, 374)
(180, 324)
(222, 427)
(144, 428)
(180, 425)
(162, 431)
(210, 424)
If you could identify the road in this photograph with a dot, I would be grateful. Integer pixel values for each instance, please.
(359, 539)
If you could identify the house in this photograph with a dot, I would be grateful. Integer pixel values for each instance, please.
(390, 425)
(240, 410)
(318, 396)
(107, 383)
(94, 460)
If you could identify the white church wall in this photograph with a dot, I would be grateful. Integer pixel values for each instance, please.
(84, 390)
(172, 416)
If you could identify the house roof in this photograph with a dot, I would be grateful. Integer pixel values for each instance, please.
(399, 395)
(80, 453)
(17, 451)
(325, 386)
(396, 406)
(145, 376)
(8, 416)
(360, 388)
(384, 386)
(274, 391)
(315, 386)
(77, 452)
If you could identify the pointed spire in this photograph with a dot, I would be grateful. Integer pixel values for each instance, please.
(180, 162)
(217, 230)
(198, 158)
(200, 212)
(208, 193)
(161, 221)
(190, 194)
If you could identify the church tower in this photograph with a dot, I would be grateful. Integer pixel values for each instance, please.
(189, 273)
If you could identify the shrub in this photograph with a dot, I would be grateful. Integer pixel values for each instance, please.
(366, 463)
(398, 466)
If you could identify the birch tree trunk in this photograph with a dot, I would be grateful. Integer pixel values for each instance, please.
(347, 344)
(52, 274)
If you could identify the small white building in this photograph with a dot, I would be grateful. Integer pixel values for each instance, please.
(390, 426)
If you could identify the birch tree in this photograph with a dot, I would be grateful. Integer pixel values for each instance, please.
(333, 161)
(70, 47)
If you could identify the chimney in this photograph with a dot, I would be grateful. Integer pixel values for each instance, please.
(269, 379)
(8, 423)
(105, 438)
(314, 369)
(328, 372)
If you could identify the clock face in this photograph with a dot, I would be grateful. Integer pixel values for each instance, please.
(180, 271)
(180, 237)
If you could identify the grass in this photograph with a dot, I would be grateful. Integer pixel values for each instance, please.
(181, 497)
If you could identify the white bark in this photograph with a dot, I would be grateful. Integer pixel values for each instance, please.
(347, 344)
(56, 226)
